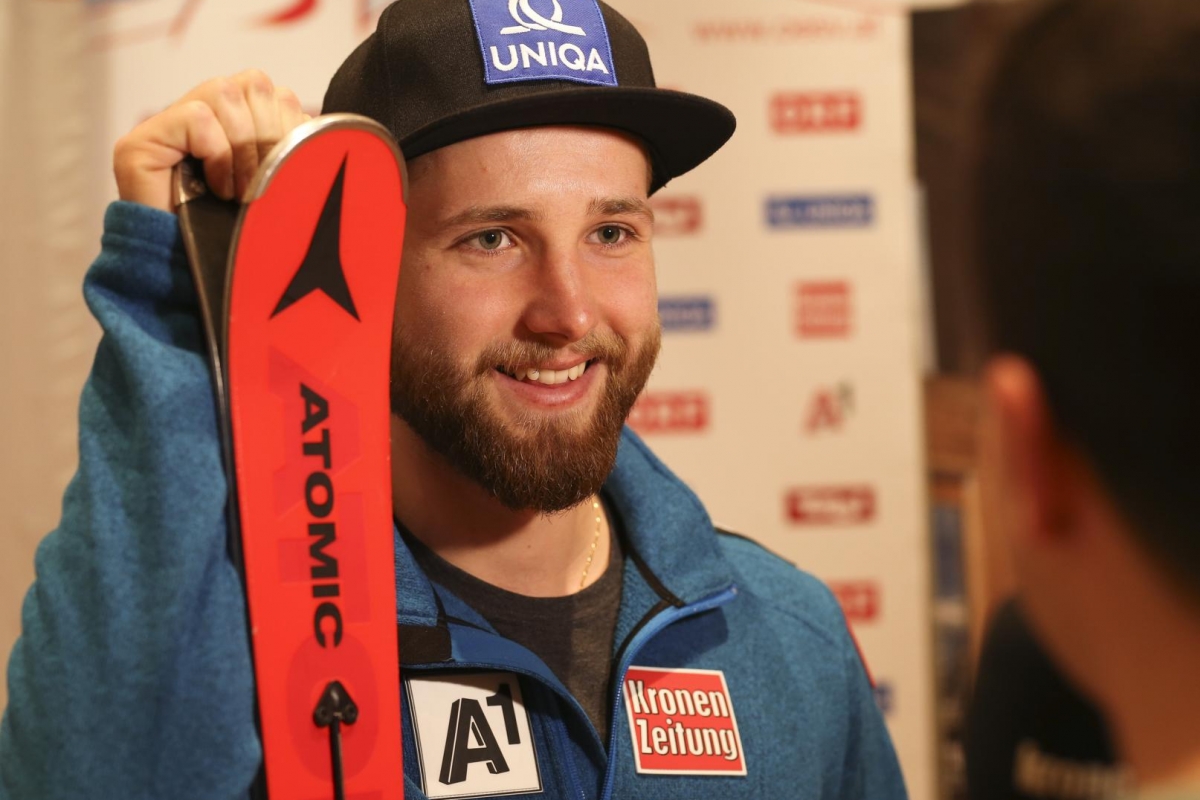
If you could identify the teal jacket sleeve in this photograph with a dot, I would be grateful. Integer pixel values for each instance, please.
(132, 675)
(872, 771)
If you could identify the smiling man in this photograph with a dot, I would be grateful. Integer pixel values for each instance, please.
(571, 622)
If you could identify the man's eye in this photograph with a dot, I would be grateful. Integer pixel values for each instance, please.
(610, 234)
(491, 240)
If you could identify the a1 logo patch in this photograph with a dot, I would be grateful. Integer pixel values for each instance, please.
(473, 736)
(682, 722)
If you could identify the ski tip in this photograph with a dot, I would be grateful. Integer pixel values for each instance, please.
(326, 123)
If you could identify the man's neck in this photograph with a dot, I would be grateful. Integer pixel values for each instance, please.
(527, 552)
(1151, 700)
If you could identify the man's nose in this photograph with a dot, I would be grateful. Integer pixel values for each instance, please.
(561, 304)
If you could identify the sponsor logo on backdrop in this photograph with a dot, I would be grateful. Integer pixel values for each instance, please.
(671, 412)
(366, 12)
(831, 505)
(687, 314)
(885, 698)
(677, 215)
(821, 211)
(815, 112)
(472, 735)
(860, 600)
(785, 29)
(527, 40)
(291, 12)
(130, 23)
(829, 409)
(127, 23)
(823, 310)
(681, 722)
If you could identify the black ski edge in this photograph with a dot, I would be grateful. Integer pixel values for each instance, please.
(208, 225)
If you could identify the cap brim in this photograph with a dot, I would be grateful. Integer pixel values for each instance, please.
(681, 130)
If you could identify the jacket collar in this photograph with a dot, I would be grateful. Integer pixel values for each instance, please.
(670, 540)
(668, 529)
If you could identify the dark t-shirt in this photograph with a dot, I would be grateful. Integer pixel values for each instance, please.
(1030, 734)
(573, 635)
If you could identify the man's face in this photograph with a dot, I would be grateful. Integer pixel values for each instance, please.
(526, 315)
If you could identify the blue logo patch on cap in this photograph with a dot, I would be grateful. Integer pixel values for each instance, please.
(534, 40)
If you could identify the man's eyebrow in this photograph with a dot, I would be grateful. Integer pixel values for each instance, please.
(617, 206)
(484, 215)
(600, 207)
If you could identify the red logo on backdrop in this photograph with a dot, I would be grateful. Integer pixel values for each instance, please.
(678, 215)
(367, 12)
(829, 409)
(174, 21)
(831, 505)
(859, 599)
(816, 112)
(823, 310)
(681, 722)
(292, 12)
(670, 412)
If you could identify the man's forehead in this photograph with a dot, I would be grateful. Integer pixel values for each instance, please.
(532, 174)
(528, 150)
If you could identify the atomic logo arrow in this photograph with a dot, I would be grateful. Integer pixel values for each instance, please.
(322, 269)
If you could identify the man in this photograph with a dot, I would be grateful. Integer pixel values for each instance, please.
(542, 553)
(1090, 165)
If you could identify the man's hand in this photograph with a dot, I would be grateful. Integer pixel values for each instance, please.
(228, 123)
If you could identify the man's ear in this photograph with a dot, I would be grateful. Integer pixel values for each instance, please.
(1038, 472)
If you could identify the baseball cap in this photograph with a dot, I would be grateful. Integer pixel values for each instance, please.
(436, 72)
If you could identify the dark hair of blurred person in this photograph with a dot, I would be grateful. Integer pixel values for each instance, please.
(1088, 226)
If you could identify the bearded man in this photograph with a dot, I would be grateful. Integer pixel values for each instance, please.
(542, 552)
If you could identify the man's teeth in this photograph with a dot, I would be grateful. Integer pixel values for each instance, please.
(550, 377)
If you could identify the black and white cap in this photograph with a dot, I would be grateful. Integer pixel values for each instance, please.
(436, 72)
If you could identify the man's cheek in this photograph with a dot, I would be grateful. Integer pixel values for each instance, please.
(637, 321)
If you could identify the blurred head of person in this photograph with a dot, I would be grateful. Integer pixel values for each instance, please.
(1088, 228)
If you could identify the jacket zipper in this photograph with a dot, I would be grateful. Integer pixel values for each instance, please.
(656, 625)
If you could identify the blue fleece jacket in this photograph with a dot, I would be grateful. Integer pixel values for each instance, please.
(132, 677)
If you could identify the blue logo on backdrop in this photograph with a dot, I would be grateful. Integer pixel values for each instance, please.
(687, 313)
(534, 40)
(885, 698)
(826, 211)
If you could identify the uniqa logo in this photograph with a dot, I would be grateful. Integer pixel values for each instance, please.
(546, 53)
(544, 46)
(538, 22)
(549, 54)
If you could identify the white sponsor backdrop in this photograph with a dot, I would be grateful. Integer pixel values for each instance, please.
(799, 423)
(796, 422)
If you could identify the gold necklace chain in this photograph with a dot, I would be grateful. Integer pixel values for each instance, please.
(595, 541)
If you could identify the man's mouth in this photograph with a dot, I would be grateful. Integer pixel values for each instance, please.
(546, 375)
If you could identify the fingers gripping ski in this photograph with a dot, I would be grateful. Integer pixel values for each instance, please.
(306, 313)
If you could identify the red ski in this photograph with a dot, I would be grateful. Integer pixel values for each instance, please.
(299, 313)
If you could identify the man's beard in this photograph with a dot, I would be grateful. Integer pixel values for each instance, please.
(540, 461)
